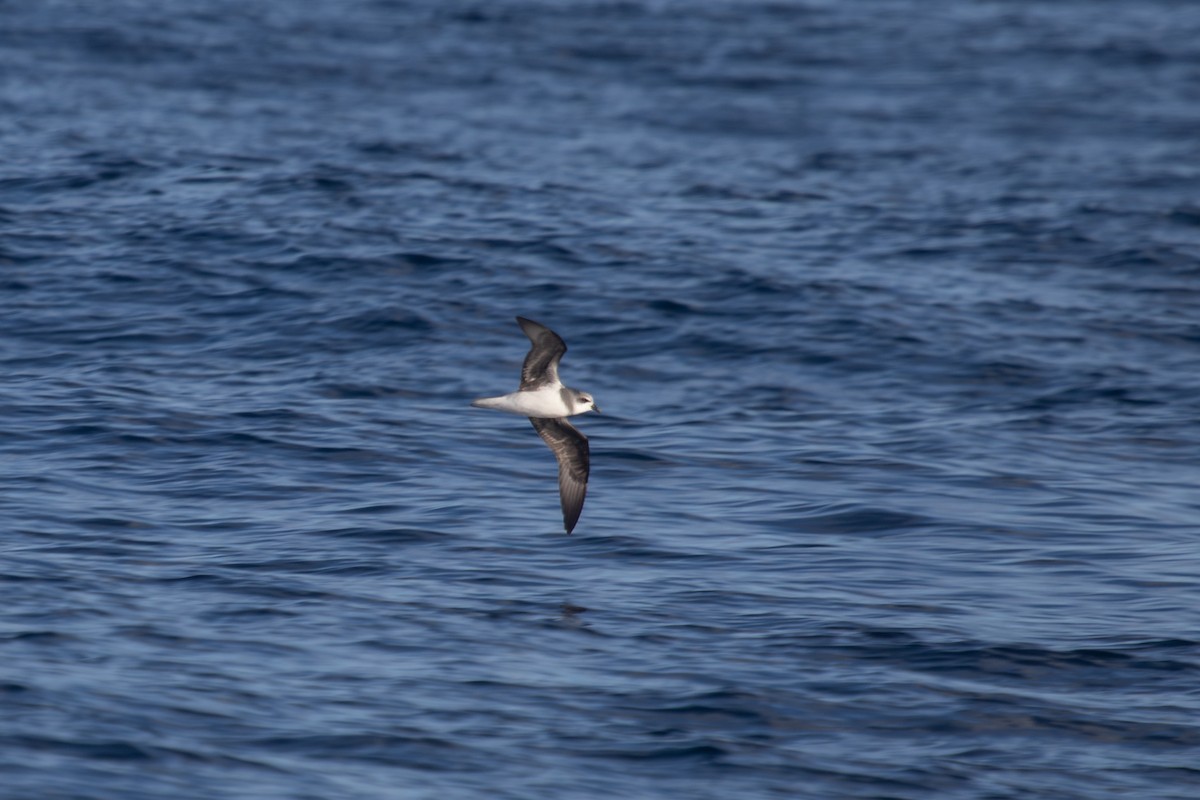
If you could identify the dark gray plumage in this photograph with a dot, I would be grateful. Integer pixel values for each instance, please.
(574, 461)
(541, 363)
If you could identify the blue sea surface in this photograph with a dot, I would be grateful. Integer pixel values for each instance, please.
(892, 307)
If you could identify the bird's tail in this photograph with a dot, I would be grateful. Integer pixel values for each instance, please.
(486, 402)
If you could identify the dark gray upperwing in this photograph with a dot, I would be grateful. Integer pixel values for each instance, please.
(571, 449)
(541, 363)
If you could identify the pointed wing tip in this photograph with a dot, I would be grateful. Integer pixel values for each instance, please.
(530, 328)
(534, 329)
(572, 504)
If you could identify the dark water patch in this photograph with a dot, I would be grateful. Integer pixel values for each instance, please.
(638, 456)
(107, 750)
(379, 320)
(416, 151)
(670, 307)
(48, 638)
(1185, 215)
(1043, 666)
(860, 520)
(675, 754)
(388, 536)
(395, 750)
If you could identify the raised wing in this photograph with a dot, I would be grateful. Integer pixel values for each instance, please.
(541, 363)
(571, 449)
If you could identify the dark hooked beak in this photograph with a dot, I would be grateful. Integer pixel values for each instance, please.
(595, 407)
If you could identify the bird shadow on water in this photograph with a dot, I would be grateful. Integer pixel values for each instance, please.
(568, 616)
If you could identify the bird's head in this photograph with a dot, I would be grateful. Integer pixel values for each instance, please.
(585, 403)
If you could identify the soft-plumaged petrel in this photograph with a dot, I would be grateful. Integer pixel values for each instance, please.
(548, 403)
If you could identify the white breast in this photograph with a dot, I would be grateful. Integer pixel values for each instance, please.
(545, 402)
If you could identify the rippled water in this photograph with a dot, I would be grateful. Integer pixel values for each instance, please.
(893, 309)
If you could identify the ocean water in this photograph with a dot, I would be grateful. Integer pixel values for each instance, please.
(892, 307)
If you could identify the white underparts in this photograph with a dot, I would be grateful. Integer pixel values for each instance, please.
(544, 402)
